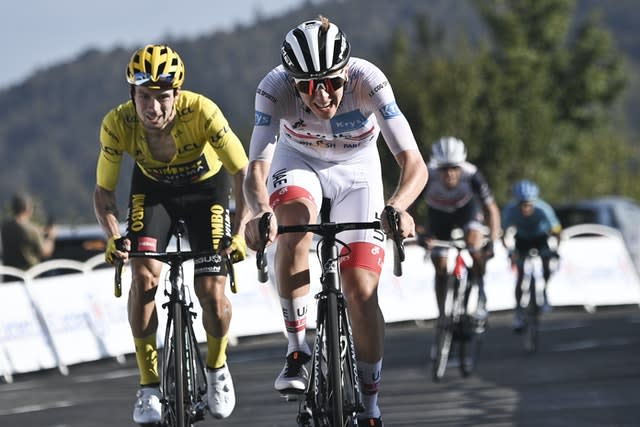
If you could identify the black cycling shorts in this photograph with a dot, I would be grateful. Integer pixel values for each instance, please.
(155, 207)
(441, 223)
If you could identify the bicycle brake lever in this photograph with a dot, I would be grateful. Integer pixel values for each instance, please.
(261, 260)
(117, 289)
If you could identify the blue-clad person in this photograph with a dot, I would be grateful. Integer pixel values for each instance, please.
(534, 222)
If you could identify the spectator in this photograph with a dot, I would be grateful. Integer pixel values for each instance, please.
(24, 243)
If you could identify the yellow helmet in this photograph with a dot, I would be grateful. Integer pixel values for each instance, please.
(157, 67)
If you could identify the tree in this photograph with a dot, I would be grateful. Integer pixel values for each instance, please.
(534, 100)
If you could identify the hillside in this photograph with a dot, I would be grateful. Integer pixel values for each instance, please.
(49, 123)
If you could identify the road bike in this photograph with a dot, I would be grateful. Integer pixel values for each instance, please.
(457, 324)
(532, 296)
(183, 384)
(332, 397)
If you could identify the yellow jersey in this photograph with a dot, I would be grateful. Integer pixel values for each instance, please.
(204, 143)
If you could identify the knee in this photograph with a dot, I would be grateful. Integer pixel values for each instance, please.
(210, 293)
(143, 286)
(360, 288)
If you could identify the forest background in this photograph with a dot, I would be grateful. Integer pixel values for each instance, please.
(541, 89)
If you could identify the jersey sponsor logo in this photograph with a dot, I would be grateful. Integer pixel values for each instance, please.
(378, 88)
(348, 121)
(206, 270)
(146, 243)
(136, 216)
(262, 119)
(390, 111)
(218, 215)
(267, 95)
(215, 258)
(189, 147)
(217, 141)
(111, 151)
(180, 174)
(279, 177)
(111, 134)
(184, 111)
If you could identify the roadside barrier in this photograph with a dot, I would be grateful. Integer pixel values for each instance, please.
(56, 321)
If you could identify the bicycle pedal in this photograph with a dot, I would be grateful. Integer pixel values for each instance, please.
(292, 395)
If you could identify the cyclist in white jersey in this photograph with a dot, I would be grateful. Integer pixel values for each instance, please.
(318, 117)
(458, 196)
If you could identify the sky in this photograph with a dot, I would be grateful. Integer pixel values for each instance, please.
(36, 34)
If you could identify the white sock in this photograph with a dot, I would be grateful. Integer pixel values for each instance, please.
(370, 375)
(294, 312)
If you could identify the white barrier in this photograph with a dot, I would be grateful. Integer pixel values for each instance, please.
(48, 322)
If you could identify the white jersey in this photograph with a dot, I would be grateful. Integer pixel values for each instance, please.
(472, 185)
(368, 107)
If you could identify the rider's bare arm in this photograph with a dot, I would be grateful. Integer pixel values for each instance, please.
(413, 178)
(257, 198)
(106, 210)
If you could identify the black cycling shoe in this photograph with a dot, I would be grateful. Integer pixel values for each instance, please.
(370, 422)
(294, 377)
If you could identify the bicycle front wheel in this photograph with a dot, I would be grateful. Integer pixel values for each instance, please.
(444, 333)
(182, 419)
(334, 364)
(469, 346)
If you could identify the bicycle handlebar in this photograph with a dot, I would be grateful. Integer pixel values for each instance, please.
(172, 257)
(330, 229)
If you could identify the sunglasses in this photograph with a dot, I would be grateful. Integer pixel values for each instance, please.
(144, 79)
(331, 84)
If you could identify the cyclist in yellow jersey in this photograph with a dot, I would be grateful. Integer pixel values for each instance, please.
(185, 157)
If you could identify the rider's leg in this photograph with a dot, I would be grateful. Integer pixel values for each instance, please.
(475, 239)
(546, 273)
(292, 270)
(440, 283)
(143, 318)
(360, 287)
(216, 317)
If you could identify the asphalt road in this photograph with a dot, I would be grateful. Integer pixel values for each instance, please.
(586, 373)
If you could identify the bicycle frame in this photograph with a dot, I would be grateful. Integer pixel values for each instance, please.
(183, 383)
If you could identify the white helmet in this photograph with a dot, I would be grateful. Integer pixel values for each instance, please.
(314, 49)
(448, 151)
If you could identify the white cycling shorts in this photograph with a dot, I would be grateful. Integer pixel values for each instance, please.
(354, 188)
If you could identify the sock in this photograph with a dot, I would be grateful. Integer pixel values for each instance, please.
(370, 375)
(147, 359)
(294, 312)
(216, 351)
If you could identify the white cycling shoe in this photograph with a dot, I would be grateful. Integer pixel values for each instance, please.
(220, 392)
(148, 409)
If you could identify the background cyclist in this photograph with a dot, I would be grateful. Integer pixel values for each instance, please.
(184, 154)
(458, 196)
(533, 221)
(318, 117)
